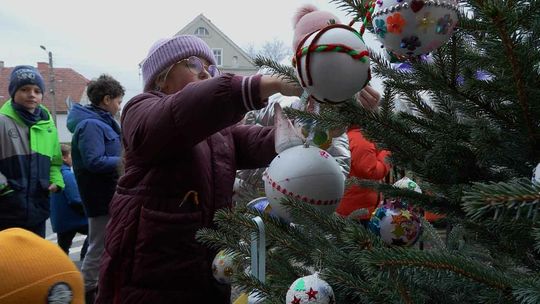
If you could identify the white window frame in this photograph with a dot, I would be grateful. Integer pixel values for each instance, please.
(219, 59)
(204, 33)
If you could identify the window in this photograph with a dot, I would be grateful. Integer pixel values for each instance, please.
(201, 31)
(218, 54)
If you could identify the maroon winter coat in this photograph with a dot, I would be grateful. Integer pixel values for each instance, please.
(174, 144)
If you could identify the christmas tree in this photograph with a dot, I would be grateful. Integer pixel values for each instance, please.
(471, 140)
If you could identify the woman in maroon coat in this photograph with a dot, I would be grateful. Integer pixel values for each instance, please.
(182, 148)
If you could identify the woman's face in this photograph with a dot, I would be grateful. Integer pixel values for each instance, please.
(181, 74)
(29, 96)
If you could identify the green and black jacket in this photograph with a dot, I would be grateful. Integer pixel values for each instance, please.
(30, 160)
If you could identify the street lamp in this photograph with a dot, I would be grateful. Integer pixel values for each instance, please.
(51, 81)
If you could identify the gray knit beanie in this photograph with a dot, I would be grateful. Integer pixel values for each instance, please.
(166, 52)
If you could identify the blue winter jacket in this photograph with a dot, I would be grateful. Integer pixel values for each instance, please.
(95, 150)
(63, 216)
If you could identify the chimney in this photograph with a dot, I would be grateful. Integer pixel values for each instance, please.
(1, 64)
(42, 66)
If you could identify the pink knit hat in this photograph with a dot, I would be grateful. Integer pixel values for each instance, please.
(165, 52)
(309, 19)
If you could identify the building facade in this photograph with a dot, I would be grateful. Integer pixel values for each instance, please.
(229, 56)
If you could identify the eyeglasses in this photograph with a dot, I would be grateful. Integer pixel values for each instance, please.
(196, 66)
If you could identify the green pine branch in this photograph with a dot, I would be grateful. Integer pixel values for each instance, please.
(519, 198)
(274, 68)
(399, 258)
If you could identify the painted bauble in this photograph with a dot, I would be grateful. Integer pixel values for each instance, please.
(310, 289)
(308, 174)
(396, 223)
(223, 267)
(333, 64)
(414, 27)
(407, 183)
(536, 175)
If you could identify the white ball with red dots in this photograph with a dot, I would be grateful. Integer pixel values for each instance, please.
(310, 289)
(308, 174)
(335, 76)
(414, 27)
(223, 267)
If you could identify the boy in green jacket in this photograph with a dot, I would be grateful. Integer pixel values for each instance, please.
(30, 157)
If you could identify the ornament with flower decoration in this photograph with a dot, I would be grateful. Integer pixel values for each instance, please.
(310, 289)
(395, 220)
(223, 267)
(332, 63)
(409, 28)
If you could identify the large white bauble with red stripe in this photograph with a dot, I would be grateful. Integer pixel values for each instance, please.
(308, 174)
(333, 64)
(410, 28)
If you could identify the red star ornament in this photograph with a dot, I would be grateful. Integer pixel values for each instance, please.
(295, 300)
(312, 294)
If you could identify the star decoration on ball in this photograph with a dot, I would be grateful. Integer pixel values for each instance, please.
(312, 294)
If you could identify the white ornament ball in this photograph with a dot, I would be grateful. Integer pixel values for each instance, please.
(536, 175)
(414, 27)
(396, 223)
(308, 174)
(333, 64)
(223, 267)
(407, 183)
(310, 289)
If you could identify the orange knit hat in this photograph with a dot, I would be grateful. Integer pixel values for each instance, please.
(35, 270)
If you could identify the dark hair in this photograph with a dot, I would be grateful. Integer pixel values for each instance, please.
(66, 149)
(103, 86)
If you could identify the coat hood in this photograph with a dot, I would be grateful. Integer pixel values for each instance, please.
(79, 113)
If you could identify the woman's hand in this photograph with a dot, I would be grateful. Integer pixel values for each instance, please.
(271, 84)
(369, 98)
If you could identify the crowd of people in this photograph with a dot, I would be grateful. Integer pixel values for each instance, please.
(141, 189)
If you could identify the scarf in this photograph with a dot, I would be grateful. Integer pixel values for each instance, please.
(28, 118)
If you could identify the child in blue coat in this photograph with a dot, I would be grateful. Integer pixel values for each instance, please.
(67, 213)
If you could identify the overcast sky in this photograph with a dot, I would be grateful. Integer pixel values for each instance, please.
(113, 36)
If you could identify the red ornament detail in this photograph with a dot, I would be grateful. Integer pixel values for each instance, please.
(284, 191)
(291, 194)
(295, 300)
(324, 154)
(319, 202)
(278, 188)
(305, 199)
(312, 201)
(312, 294)
(273, 184)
